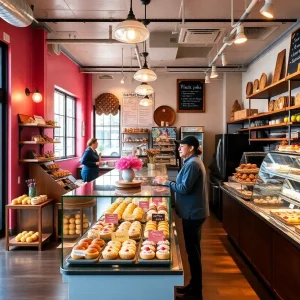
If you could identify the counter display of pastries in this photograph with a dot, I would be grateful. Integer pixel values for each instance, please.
(268, 201)
(289, 217)
(72, 224)
(154, 251)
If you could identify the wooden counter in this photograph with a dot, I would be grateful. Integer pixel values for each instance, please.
(268, 248)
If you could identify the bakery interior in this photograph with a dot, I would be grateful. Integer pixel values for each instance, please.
(138, 75)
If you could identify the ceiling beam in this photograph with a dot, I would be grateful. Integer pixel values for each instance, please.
(109, 20)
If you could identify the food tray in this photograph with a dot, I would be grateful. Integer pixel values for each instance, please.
(239, 194)
(154, 261)
(297, 228)
(243, 182)
(72, 261)
(247, 171)
(283, 220)
(119, 261)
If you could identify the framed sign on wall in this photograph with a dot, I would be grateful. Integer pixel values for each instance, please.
(190, 96)
(294, 57)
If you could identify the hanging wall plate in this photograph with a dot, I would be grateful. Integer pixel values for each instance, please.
(164, 114)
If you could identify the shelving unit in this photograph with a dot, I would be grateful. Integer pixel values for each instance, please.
(41, 144)
(43, 237)
(135, 135)
(285, 85)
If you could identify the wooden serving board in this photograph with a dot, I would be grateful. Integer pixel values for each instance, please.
(128, 185)
(263, 81)
(279, 66)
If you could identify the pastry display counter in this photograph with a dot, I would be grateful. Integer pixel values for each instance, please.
(266, 228)
(133, 240)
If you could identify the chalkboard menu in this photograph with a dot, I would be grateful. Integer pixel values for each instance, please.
(190, 95)
(294, 57)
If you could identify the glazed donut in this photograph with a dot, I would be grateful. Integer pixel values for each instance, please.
(99, 242)
(83, 244)
(74, 256)
(86, 240)
(91, 253)
(94, 246)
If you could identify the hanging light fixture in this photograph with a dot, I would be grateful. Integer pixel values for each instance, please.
(224, 61)
(36, 95)
(207, 80)
(214, 73)
(146, 101)
(268, 9)
(131, 31)
(145, 74)
(240, 35)
(144, 89)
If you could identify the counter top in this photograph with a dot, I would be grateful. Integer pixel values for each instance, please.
(293, 237)
(100, 167)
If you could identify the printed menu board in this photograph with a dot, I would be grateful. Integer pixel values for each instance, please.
(190, 95)
(294, 57)
(134, 114)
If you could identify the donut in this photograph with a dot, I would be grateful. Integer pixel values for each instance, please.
(126, 253)
(83, 244)
(91, 253)
(74, 256)
(86, 240)
(163, 246)
(148, 246)
(163, 253)
(109, 254)
(147, 253)
(94, 246)
(99, 242)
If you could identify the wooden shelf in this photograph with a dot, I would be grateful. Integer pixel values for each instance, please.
(29, 206)
(238, 121)
(13, 242)
(32, 160)
(271, 139)
(294, 76)
(37, 125)
(269, 113)
(293, 107)
(36, 143)
(273, 89)
(135, 132)
(269, 126)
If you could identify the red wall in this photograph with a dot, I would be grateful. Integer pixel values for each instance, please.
(31, 66)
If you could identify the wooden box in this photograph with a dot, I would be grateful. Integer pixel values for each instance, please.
(241, 114)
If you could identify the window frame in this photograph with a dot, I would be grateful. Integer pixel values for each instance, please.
(65, 138)
(94, 131)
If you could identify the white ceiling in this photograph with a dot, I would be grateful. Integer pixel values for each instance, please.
(110, 55)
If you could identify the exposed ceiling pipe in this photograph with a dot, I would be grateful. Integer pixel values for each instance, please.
(83, 41)
(291, 20)
(137, 53)
(182, 11)
(16, 12)
(232, 32)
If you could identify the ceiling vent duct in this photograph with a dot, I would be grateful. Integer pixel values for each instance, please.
(105, 77)
(16, 12)
(202, 36)
(259, 33)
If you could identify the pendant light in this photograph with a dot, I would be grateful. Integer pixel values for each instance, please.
(144, 89)
(240, 35)
(214, 73)
(145, 74)
(207, 80)
(131, 31)
(146, 101)
(268, 9)
(224, 61)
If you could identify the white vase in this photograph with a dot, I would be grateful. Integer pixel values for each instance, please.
(151, 166)
(128, 175)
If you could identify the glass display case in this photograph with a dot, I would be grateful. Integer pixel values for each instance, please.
(276, 193)
(136, 215)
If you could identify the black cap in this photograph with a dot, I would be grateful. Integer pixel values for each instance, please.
(191, 141)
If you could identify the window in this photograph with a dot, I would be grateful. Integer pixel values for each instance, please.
(107, 132)
(64, 115)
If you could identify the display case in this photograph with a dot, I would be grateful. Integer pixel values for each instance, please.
(163, 138)
(277, 191)
(132, 229)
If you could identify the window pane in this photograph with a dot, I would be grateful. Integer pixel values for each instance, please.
(70, 127)
(99, 133)
(70, 107)
(59, 148)
(99, 120)
(115, 133)
(70, 146)
(106, 120)
(115, 119)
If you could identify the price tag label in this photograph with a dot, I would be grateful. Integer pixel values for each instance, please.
(291, 206)
(157, 200)
(156, 235)
(158, 217)
(144, 205)
(79, 252)
(120, 236)
(111, 218)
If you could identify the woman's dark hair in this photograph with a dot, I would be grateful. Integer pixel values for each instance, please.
(198, 151)
(91, 141)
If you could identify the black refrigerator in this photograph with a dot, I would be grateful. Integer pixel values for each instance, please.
(229, 149)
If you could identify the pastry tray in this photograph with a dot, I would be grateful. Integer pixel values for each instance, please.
(283, 220)
(297, 228)
(82, 261)
(243, 182)
(119, 261)
(247, 171)
(154, 261)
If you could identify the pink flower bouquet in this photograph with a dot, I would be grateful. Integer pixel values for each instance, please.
(129, 162)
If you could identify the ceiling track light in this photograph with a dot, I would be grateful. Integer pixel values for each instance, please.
(214, 73)
(268, 9)
(224, 61)
(144, 89)
(207, 80)
(131, 31)
(240, 35)
(146, 101)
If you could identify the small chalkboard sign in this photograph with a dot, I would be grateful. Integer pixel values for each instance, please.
(190, 95)
(294, 57)
(158, 217)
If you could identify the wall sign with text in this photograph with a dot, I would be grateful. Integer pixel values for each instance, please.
(190, 95)
(294, 57)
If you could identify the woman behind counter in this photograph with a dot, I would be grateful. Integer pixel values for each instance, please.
(90, 161)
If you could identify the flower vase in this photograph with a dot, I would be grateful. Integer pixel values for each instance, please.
(128, 175)
(151, 166)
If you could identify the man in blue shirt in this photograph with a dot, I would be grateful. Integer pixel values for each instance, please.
(192, 207)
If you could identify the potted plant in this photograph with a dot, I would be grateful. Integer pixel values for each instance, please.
(151, 154)
(127, 165)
